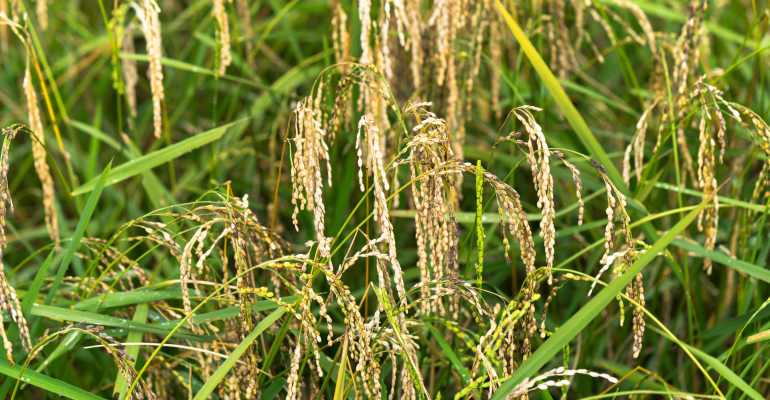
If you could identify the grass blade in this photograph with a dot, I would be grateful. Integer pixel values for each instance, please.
(226, 366)
(47, 383)
(750, 269)
(156, 158)
(140, 315)
(92, 318)
(85, 217)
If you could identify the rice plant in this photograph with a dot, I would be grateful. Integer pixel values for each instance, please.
(384, 199)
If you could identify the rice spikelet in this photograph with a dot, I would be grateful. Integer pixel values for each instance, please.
(151, 29)
(39, 154)
(223, 36)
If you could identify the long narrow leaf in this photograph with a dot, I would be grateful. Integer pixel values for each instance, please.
(750, 269)
(47, 383)
(465, 375)
(725, 372)
(34, 288)
(85, 218)
(156, 158)
(140, 315)
(226, 366)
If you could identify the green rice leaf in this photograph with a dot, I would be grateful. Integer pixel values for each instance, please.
(47, 383)
(465, 375)
(140, 315)
(158, 157)
(228, 364)
(750, 269)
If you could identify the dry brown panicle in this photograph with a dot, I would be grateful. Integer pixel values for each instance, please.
(39, 153)
(151, 29)
(311, 150)
(128, 67)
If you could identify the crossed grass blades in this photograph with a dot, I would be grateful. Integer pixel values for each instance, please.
(241, 268)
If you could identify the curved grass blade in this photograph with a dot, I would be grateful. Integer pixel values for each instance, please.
(156, 158)
(34, 288)
(273, 389)
(588, 312)
(722, 370)
(226, 366)
(229, 312)
(750, 269)
(181, 65)
(47, 383)
(733, 324)
(81, 126)
(722, 199)
(598, 96)
(341, 372)
(85, 217)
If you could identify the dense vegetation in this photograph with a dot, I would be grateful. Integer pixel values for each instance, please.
(384, 199)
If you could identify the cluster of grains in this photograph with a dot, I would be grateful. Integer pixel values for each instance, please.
(128, 67)
(39, 154)
(228, 221)
(637, 145)
(616, 209)
(686, 57)
(578, 184)
(311, 149)
(42, 13)
(360, 338)
(151, 29)
(708, 219)
(430, 160)
(408, 19)
(223, 36)
(539, 157)
(374, 163)
(635, 291)
(36, 129)
(564, 57)
(479, 225)
(119, 356)
(9, 302)
(186, 269)
(244, 24)
(340, 38)
(370, 80)
(549, 379)
(444, 23)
